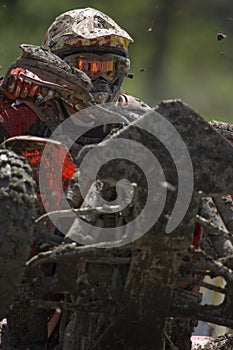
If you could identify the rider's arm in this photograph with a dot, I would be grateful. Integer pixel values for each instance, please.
(133, 104)
(15, 120)
(16, 117)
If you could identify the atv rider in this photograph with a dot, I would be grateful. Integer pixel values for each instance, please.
(90, 41)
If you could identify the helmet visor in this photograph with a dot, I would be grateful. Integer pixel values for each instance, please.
(107, 66)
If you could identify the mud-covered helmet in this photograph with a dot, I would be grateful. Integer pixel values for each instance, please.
(91, 41)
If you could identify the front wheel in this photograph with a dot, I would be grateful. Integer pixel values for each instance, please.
(17, 207)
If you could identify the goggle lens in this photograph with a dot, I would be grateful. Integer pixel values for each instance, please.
(109, 67)
(95, 68)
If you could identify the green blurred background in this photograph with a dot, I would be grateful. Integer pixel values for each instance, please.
(176, 53)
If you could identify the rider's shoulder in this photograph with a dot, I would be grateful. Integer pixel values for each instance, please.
(133, 104)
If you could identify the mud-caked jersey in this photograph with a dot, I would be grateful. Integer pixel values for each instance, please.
(23, 118)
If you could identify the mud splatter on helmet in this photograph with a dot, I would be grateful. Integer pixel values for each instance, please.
(85, 28)
(88, 30)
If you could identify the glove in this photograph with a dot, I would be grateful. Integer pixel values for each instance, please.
(19, 87)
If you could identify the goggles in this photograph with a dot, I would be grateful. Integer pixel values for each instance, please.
(108, 66)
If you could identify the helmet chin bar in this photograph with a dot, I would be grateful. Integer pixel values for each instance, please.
(102, 97)
(105, 91)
